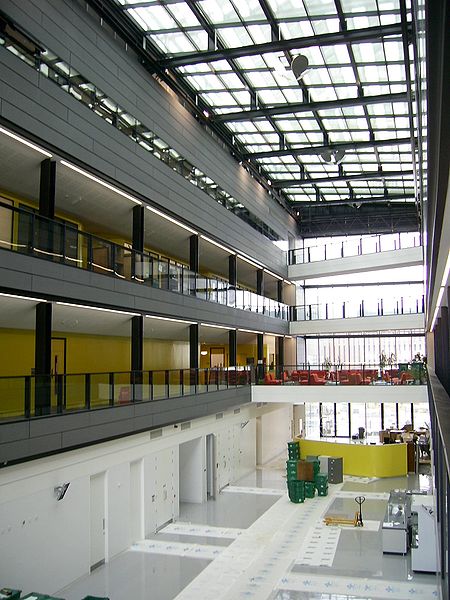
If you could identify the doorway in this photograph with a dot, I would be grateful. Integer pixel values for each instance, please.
(217, 357)
(210, 466)
(58, 368)
(97, 520)
(192, 471)
(137, 500)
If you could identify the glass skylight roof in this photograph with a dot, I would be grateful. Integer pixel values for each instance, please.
(355, 90)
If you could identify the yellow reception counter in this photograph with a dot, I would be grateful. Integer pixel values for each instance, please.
(362, 460)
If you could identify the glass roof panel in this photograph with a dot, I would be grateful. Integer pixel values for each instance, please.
(153, 18)
(219, 12)
(287, 8)
(346, 70)
(173, 43)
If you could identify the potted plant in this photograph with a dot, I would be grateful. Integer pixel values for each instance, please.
(418, 369)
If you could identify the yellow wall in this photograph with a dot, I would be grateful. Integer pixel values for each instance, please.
(362, 460)
(89, 353)
(16, 352)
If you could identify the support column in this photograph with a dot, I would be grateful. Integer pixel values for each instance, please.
(280, 291)
(194, 256)
(137, 356)
(232, 348)
(47, 188)
(137, 343)
(445, 376)
(260, 282)
(138, 228)
(43, 358)
(260, 356)
(193, 347)
(279, 358)
(44, 236)
(232, 270)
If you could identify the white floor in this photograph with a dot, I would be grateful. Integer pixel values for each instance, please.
(251, 542)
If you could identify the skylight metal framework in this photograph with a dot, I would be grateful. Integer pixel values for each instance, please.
(357, 97)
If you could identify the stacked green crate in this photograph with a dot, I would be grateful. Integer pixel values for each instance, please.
(310, 489)
(293, 450)
(296, 491)
(321, 482)
(291, 470)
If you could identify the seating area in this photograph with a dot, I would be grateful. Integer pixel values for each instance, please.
(362, 376)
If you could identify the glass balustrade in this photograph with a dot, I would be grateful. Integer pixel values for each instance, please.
(354, 246)
(62, 243)
(364, 308)
(390, 373)
(40, 395)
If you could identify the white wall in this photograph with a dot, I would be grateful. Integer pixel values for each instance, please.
(192, 471)
(357, 324)
(274, 432)
(357, 264)
(45, 544)
(298, 394)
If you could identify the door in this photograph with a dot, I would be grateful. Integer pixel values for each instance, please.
(137, 500)
(58, 368)
(97, 520)
(210, 466)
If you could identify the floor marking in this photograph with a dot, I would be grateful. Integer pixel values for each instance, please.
(354, 479)
(254, 490)
(251, 565)
(319, 546)
(178, 549)
(367, 495)
(360, 587)
(183, 528)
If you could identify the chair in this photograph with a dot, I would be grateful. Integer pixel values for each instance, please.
(269, 379)
(124, 395)
(316, 380)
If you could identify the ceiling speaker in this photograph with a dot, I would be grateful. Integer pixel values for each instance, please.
(299, 66)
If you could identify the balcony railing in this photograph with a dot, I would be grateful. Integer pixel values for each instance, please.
(413, 373)
(59, 242)
(365, 308)
(39, 395)
(353, 247)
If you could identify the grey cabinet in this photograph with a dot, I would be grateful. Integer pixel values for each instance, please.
(333, 466)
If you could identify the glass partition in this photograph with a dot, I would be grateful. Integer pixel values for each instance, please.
(26, 232)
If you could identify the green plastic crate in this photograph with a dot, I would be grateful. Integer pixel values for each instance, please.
(10, 594)
(296, 491)
(95, 598)
(322, 492)
(310, 489)
(293, 455)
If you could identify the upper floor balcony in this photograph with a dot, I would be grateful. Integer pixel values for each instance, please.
(355, 254)
(28, 233)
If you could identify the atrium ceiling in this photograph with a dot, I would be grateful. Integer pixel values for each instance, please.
(317, 98)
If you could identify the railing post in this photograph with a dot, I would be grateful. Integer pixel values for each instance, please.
(111, 389)
(181, 375)
(59, 393)
(150, 385)
(89, 253)
(167, 382)
(87, 391)
(27, 397)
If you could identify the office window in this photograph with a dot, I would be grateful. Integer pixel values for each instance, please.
(390, 415)
(342, 419)
(312, 420)
(327, 419)
(421, 415)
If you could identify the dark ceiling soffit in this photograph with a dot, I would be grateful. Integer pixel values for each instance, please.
(325, 39)
(288, 183)
(353, 201)
(247, 115)
(319, 149)
(345, 220)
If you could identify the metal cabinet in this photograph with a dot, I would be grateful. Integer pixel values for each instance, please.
(333, 466)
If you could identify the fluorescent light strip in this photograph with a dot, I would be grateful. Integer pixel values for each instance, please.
(23, 297)
(216, 326)
(441, 291)
(288, 282)
(207, 239)
(173, 320)
(108, 310)
(161, 214)
(251, 331)
(25, 142)
(101, 182)
(273, 274)
(250, 262)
